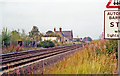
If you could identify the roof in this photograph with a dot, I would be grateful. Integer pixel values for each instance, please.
(67, 34)
(63, 34)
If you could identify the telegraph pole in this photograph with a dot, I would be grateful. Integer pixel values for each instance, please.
(119, 48)
(119, 57)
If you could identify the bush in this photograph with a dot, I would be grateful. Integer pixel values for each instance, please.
(112, 46)
(51, 44)
(58, 44)
(46, 44)
(38, 45)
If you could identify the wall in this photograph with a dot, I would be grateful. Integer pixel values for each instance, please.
(49, 38)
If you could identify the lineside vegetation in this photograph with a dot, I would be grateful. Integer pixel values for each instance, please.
(99, 57)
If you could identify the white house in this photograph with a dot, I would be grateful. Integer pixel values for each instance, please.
(49, 38)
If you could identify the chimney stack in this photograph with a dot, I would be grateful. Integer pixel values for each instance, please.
(54, 29)
(60, 29)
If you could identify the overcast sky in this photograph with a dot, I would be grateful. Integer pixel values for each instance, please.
(84, 17)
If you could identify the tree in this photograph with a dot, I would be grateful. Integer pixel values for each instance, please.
(5, 37)
(34, 31)
(51, 34)
(23, 35)
(34, 34)
(15, 36)
(87, 39)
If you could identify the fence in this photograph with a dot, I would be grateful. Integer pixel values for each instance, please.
(22, 43)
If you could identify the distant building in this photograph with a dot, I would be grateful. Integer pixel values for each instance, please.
(66, 36)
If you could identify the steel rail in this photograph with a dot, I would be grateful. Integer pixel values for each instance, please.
(15, 62)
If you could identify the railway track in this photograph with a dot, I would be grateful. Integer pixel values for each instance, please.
(16, 59)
